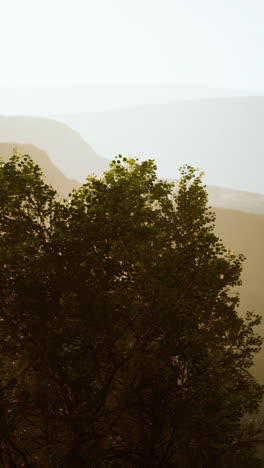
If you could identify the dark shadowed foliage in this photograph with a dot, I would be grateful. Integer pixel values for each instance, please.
(121, 344)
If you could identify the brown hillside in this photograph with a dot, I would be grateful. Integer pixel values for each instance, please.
(244, 233)
(54, 176)
(65, 147)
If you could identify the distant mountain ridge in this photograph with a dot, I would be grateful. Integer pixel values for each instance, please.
(248, 202)
(222, 136)
(218, 197)
(65, 147)
(76, 159)
(43, 100)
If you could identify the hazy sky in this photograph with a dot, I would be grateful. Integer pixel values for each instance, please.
(61, 42)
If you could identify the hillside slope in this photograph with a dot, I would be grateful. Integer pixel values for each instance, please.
(65, 147)
(54, 176)
(244, 233)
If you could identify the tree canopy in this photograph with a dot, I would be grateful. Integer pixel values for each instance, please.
(121, 342)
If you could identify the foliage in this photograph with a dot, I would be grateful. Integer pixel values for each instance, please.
(121, 342)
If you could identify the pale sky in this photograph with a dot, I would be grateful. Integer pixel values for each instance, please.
(63, 42)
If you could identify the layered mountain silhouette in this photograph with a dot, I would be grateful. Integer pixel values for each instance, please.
(223, 137)
(70, 153)
(66, 148)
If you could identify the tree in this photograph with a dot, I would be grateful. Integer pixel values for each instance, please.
(121, 339)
